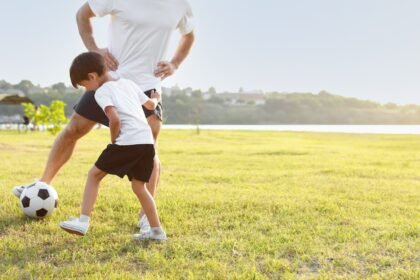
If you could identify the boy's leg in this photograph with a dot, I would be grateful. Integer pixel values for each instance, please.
(95, 176)
(81, 225)
(147, 202)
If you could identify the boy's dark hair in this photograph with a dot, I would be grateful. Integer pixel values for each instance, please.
(85, 63)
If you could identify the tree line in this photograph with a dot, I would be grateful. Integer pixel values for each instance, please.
(188, 106)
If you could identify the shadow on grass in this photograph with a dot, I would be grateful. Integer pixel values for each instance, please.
(61, 251)
(15, 221)
(280, 153)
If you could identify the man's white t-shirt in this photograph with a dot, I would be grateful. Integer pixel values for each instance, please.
(127, 99)
(139, 34)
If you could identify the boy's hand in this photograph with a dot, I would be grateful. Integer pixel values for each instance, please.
(156, 95)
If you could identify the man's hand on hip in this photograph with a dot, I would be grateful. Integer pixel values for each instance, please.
(110, 60)
(165, 69)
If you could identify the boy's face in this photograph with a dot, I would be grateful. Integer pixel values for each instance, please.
(93, 82)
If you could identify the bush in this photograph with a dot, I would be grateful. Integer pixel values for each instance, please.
(51, 116)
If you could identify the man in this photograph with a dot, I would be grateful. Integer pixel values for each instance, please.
(139, 35)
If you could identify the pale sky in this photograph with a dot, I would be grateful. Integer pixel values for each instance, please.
(369, 49)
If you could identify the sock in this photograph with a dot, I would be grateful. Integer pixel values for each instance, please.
(84, 218)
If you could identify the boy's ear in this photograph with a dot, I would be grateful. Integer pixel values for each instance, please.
(92, 76)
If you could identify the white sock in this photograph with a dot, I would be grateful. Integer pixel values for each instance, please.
(84, 218)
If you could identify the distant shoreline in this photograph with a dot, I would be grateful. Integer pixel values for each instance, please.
(364, 129)
(324, 128)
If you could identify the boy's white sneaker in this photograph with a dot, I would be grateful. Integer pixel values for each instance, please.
(143, 224)
(18, 190)
(75, 226)
(154, 234)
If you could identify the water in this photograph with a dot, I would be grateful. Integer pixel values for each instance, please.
(369, 129)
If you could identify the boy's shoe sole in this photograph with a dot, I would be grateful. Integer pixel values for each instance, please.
(73, 230)
(147, 236)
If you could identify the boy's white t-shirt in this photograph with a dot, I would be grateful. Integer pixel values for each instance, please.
(127, 98)
(139, 34)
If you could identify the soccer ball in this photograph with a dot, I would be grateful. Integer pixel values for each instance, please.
(38, 200)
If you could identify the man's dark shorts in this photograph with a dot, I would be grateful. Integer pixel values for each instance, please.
(135, 161)
(89, 109)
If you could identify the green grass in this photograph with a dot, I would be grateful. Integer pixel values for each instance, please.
(236, 205)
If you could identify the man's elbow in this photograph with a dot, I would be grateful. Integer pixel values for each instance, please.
(84, 14)
(189, 37)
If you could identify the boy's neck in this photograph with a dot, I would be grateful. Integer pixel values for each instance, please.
(106, 78)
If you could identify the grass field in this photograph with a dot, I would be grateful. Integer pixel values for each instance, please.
(245, 205)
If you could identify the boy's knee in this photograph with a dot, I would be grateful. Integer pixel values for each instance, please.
(95, 173)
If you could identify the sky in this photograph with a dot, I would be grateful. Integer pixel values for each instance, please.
(368, 49)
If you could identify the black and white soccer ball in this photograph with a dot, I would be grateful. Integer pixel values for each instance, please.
(38, 200)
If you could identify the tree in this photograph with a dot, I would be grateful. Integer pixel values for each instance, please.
(56, 117)
(53, 116)
(5, 85)
(212, 90)
(60, 87)
(24, 86)
(31, 111)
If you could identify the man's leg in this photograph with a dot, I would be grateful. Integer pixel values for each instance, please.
(147, 202)
(64, 145)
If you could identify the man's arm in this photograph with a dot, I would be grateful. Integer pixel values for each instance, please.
(114, 122)
(83, 17)
(165, 68)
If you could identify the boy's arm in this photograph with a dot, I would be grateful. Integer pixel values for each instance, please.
(114, 122)
(152, 102)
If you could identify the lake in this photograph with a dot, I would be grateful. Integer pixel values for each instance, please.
(374, 129)
(370, 129)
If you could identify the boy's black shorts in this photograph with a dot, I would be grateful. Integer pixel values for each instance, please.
(135, 161)
(89, 109)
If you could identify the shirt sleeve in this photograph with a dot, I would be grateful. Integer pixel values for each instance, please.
(142, 96)
(101, 7)
(103, 97)
(186, 24)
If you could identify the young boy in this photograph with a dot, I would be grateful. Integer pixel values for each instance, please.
(131, 152)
